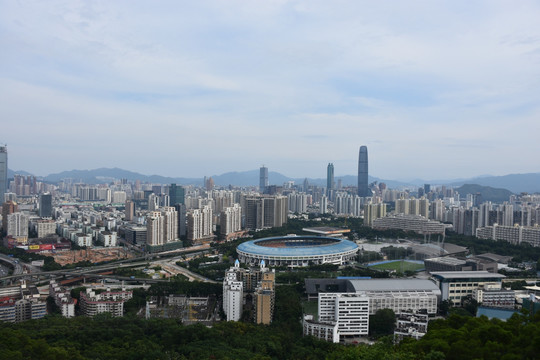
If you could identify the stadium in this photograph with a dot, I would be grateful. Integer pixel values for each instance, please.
(295, 251)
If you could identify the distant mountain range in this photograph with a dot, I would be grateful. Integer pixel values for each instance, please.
(515, 183)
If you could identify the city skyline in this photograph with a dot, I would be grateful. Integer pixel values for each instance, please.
(434, 90)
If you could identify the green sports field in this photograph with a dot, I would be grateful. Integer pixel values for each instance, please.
(402, 266)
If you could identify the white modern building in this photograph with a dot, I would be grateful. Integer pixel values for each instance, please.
(17, 225)
(232, 294)
(108, 238)
(455, 285)
(349, 310)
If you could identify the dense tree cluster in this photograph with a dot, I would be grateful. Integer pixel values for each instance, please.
(103, 337)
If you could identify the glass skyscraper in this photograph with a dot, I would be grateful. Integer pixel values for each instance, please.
(3, 172)
(363, 189)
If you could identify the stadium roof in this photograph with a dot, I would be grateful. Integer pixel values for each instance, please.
(336, 246)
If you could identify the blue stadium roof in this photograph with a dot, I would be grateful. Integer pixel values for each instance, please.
(334, 246)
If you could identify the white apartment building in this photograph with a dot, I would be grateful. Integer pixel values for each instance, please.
(17, 225)
(200, 223)
(231, 219)
(349, 311)
(108, 238)
(45, 228)
(514, 234)
(232, 295)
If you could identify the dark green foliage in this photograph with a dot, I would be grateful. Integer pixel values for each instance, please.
(104, 337)
(382, 323)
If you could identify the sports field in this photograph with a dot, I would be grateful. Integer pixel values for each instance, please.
(398, 265)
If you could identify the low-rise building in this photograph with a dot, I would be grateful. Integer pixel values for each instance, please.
(455, 285)
(493, 295)
(108, 301)
(412, 324)
(62, 299)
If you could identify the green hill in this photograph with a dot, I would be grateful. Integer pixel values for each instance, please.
(487, 192)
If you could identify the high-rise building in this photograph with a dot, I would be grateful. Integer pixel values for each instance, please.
(209, 184)
(231, 219)
(323, 205)
(263, 179)
(130, 210)
(181, 210)
(232, 294)
(3, 171)
(162, 227)
(199, 223)
(45, 205)
(154, 229)
(372, 212)
(330, 185)
(265, 211)
(9, 207)
(17, 225)
(264, 298)
(363, 189)
(176, 194)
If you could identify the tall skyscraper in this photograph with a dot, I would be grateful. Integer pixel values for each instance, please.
(363, 189)
(329, 178)
(45, 205)
(176, 194)
(263, 179)
(3, 171)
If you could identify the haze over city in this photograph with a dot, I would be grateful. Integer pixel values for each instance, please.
(435, 90)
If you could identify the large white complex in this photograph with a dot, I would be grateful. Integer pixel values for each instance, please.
(297, 251)
(416, 223)
(398, 294)
(513, 234)
(345, 313)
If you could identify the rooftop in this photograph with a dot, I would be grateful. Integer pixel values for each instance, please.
(466, 274)
(393, 285)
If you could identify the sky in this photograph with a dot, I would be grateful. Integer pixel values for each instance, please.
(434, 89)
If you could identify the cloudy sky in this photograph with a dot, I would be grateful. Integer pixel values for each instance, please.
(435, 89)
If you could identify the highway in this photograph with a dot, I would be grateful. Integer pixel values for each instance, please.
(17, 267)
(168, 264)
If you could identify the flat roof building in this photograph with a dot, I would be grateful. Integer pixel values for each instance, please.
(455, 285)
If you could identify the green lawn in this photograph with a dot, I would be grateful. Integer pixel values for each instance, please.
(399, 266)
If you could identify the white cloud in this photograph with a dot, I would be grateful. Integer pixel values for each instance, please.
(434, 89)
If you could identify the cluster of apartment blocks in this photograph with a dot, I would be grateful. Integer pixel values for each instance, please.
(344, 305)
(239, 282)
(21, 303)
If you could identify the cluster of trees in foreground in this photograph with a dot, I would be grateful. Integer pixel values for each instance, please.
(103, 337)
